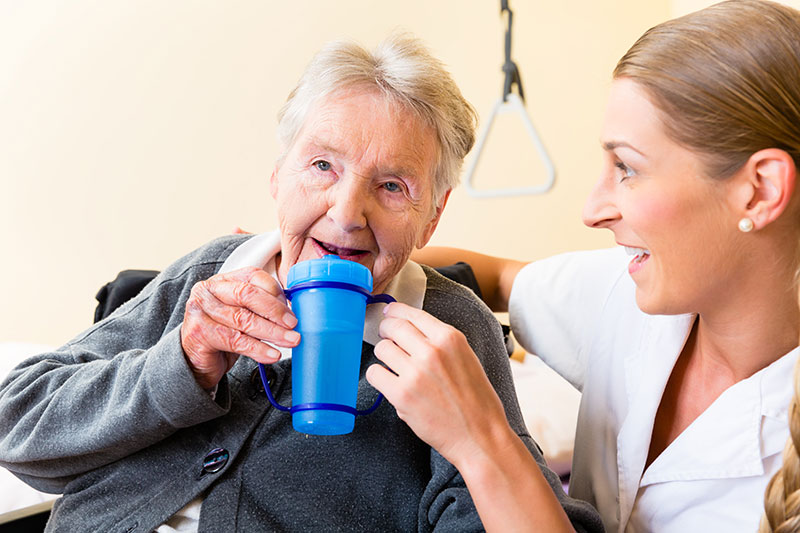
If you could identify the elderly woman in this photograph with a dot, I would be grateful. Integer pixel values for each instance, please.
(154, 418)
(683, 343)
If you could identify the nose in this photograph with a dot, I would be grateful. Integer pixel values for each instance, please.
(600, 211)
(348, 204)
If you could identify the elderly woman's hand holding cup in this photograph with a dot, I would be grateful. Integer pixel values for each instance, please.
(231, 314)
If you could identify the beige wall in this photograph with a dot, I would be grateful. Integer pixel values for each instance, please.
(134, 131)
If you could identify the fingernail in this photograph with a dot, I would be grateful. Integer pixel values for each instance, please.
(291, 336)
(290, 320)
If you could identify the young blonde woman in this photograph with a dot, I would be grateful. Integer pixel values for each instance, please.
(684, 339)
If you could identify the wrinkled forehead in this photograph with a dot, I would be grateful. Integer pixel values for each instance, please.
(369, 126)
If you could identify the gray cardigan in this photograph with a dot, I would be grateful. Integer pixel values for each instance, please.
(115, 421)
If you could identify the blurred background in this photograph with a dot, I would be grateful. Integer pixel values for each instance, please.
(132, 132)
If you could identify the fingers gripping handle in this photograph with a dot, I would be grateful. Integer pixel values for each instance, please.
(378, 298)
(309, 406)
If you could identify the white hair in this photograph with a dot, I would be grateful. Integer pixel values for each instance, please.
(403, 69)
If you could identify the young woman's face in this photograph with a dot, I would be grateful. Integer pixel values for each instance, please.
(672, 218)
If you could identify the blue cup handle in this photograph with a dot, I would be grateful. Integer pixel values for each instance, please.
(378, 298)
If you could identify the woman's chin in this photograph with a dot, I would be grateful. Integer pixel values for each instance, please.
(655, 304)
(645, 304)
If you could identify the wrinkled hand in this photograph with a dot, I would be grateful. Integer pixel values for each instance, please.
(229, 315)
(436, 383)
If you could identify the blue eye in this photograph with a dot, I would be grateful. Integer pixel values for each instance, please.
(324, 166)
(391, 186)
(625, 170)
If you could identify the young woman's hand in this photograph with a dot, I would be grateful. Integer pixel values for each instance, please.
(436, 383)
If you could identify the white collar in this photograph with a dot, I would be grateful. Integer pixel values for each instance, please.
(408, 286)
(748, 420)
(736, 419)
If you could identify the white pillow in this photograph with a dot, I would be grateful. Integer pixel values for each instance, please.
(550, 408)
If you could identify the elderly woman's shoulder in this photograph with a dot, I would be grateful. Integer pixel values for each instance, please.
(225, 245)
(451, 298)
(220, 248)
(207, 258)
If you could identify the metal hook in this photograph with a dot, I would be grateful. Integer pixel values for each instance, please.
(509, 67)
(510, 102)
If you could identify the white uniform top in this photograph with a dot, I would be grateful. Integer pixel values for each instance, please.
(578, 312)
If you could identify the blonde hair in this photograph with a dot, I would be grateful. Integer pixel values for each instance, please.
(726, 81)
(404, 70)
(782, 497)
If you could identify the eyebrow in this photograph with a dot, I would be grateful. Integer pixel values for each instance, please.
(403, 171)
(613, 145)
(319, 144)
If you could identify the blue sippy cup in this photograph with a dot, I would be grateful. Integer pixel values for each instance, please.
(329, 297)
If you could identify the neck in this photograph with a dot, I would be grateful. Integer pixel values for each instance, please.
(748, 329)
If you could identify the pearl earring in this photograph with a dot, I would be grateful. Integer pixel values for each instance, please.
(745, 225)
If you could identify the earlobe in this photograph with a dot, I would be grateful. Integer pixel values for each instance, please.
(771, 181)
(273, 183)
(427, 233)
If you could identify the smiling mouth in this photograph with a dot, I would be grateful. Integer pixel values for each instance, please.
(640, 257)
(638, 253)
(344, 253)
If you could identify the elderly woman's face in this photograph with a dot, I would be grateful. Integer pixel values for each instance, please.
(358, 183)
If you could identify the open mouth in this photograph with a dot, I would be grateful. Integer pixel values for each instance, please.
(640, 257)
(351, 254)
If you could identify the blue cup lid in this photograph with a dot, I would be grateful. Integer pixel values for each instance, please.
(330, 268)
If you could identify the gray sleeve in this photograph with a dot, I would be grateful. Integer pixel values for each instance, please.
(446, 504)
(117, 388)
